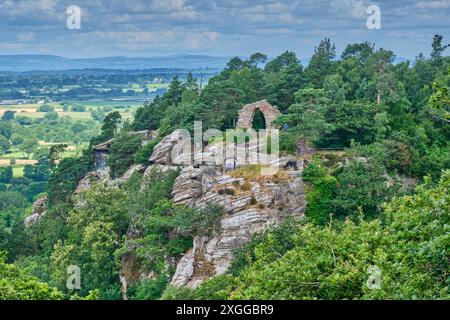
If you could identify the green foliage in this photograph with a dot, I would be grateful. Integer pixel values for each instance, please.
(45, 108)
(363, 185)
(29, 146)
(17, 285)
(169, 230)
(39, 171)
(148, 289)
(144, 153)
(438, 49)
(93, 233)
(8, 115)
(283, 77)
(78, 108)
(12, 205)
(122, 152)
(4, 145)
(6, 174)
(64, 179)
(321, 63)
(216, 288)
(51, 117)
(307, 115)
(98, 115)
(320, 191)
(439, 104)
(279, 239)
(110, 126)
(392, 118)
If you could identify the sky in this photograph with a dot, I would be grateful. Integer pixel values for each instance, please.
(216, 27)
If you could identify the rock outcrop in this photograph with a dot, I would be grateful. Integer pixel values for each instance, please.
(162, 152)
(127, 175)
(251, 203)
(38, 211)
(249, 207)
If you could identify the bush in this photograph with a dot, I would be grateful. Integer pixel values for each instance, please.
(320, 190)
(34, 189)
(216, 288)
(122, 152)
(45, 108)
(6, 174)
(363, 185)
(78, 108)
(144, 153)
(148, 289)
(15, 284)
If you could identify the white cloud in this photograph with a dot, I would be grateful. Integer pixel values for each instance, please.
(135, 37)
(440, 4)
(25, 7)
(27, 36)
(11, 46)
(201, 40)
(356, 8)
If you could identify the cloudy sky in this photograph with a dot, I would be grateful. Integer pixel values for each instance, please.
(216, 27)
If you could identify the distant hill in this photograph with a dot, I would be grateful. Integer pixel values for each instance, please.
(21, 63)
(50, 62)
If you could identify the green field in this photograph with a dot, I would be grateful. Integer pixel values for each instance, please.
(125, 108)
(21, 157)
(18, 171)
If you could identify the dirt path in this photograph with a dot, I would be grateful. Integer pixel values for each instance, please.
(6, 162)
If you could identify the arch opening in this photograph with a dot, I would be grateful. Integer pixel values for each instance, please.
(258, 120)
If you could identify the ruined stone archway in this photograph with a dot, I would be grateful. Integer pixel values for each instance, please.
(247, 112)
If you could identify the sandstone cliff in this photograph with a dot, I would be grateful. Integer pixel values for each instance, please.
(250, 204)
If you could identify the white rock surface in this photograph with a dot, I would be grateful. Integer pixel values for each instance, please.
(164, 153)
(38, 211)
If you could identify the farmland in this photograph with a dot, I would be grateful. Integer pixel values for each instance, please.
(38, 110)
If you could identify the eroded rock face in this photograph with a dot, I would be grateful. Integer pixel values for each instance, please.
(249, 207)
(38, 211)
(91, 178)
(127, 175)
(86, 183)
(162, 152)
(187, 186)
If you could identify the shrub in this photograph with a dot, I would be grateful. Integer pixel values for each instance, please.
(45, 108)
(122, 152)
(78, 108)
(144, 153)
(320, 190)
(148, 289)
(15, 284)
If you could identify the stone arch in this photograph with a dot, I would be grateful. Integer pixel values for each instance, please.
(246, 114)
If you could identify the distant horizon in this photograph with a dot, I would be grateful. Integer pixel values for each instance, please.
(175, 55)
